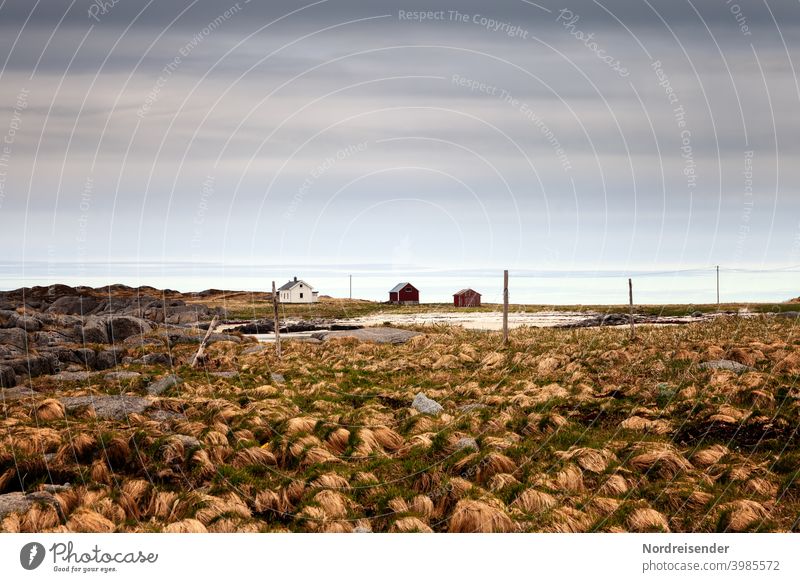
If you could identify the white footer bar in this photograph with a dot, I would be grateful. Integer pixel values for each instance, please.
(354, 557)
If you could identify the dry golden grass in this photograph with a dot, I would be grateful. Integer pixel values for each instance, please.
(50, 409)
(212, 508)
(39, 518)
(588, 459)
(300, 425)
(614, 485)
(567, 519)
(647, 520)
(185, 526)
(476, 516)
(410, 525)
(338, 527)
(254, 456)
(575, 430)
(710, 456)
(742, 515)
(604, 506)
(569, 479)
(501, 481)
(662, 460)
(88, 521)
(338, 440)
(533, 501)
(330, 481)
(334, 504)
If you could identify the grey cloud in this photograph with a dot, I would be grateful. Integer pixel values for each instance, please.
(121, 150)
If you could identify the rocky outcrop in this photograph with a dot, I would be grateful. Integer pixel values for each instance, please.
(122, 327)
(109, 358)
(182, 335)
(34, 365)
(46, 330)
(8, 377)
(94, 330)
(73, 305)
(14, 337)
(9, 318)
(145, 303)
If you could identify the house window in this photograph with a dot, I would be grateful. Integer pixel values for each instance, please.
(301, 295)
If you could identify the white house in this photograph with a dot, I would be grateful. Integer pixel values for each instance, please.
(297, 291)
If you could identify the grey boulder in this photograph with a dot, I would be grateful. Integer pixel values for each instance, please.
(467, 443)
(425, 405)
(14, 337)
(16, 393)
(724, 365)
(73, 305)
(380, 335)
(26, 322)
(116, 407)
(18, 502)
(73, 376)
(121, 328)
(121, 376)
(109, 358)
(94, 330)
(789, 314)
(8, 377)
(164, 384)
(157, 358)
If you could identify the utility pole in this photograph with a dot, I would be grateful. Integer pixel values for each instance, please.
(630, 301)
(717, 287)
(351, 286)
(505, 306)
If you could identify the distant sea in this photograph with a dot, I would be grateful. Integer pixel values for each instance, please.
(526, 286)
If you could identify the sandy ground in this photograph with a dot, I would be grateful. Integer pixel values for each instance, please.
(487, 321)
(472, 320)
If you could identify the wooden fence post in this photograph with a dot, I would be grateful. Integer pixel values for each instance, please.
(505, 306)
(630, 299)
(277, 322)
(198, 357)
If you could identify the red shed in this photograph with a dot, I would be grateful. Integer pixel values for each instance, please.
(467, 298)
(404, 294)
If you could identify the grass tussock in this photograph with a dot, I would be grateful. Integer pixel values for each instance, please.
(477, 516)
(560, 430)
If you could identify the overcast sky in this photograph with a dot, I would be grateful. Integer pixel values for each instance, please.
(609, 135)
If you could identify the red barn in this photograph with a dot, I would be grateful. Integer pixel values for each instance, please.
(404, 294)
(467, 298)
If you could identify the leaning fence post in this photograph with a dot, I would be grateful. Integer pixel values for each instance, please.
(198, 357)
(277, 323)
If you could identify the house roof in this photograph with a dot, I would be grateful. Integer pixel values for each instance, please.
(292, 284)
(396, 288)
(463, 291)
